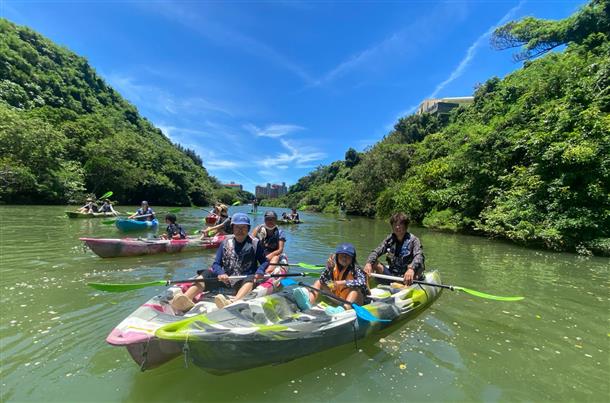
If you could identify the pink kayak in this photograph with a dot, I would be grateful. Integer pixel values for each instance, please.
(114, 247)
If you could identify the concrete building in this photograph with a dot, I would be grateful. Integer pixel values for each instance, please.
(443, 105)
(271, 191)
(233, 185)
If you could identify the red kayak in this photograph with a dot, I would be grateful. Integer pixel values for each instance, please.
(113, 247)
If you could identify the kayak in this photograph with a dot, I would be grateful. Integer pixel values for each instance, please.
(271, 329)
(126, 225)
(138, 246)
(137, 331)
(288, 222)
(76, 214)
(258, 331)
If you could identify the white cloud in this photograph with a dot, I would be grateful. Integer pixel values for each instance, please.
(472, 50)
(297, 157)
(209, 28)
(273, 130)
(160, 100)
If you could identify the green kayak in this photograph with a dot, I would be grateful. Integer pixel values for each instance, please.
(288, 222)
(76, 214)
(271, 329)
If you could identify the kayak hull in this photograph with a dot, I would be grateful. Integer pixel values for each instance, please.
(127, 225)
(288, 222)
(109, 247)
(76, 214)
(223, 341)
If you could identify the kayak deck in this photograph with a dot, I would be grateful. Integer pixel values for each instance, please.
(76, 214)
(272, 329)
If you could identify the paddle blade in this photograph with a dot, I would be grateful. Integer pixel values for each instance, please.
(309, 266)
(124, 287)
(487, 296)
(237, 203)
(106, 195)
(364, 314)
(108, 222)
(287, 282)
(174, 210)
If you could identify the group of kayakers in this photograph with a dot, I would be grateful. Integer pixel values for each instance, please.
(293, 216)
(91, 207)
(251, 256)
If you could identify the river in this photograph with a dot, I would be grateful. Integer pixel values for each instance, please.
(551, 346)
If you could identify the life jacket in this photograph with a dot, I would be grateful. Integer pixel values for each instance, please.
(142, 212)
(270, 239)
(341, 275)
(240, 263)
(398, 263)
(174, 229)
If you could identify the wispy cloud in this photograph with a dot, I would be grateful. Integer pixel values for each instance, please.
(298, 156)
(272, 130)
(223, 36)
(161, 101)
(472, 50)
(404, 41)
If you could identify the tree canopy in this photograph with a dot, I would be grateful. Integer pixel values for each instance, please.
(64, 132)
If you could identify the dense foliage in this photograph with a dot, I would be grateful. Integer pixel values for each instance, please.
(528, 161)
(64, 132)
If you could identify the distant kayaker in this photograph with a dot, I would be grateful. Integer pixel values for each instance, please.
(255, 205)
(89, 207)
(237, 255)
(107, 208)
(223, 224)
(144, 213)
(342, 276)
(273, 240)
(294, 216)
(405, 256)
(173, 230)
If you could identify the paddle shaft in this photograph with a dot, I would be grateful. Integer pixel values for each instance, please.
(326, 293)
(395, 278)
(200, 280)
(288, 264)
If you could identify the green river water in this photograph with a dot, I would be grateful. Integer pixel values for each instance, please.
(553, 346)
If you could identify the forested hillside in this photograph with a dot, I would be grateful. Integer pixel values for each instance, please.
(64, 132)
(529, 161)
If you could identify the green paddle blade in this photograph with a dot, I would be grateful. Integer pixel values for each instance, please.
(309, 266)
(108, 222)
(124, 287)
(106, 195)
(487, 296)
(174, 210)
(237, 203)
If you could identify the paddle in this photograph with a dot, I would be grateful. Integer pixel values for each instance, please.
(237, 203)
(302, 265)
(361, 312)
(452, 288)
(135, 286)
(106, 195)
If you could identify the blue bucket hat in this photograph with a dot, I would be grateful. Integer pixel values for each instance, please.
(346, 249)
(240, 219)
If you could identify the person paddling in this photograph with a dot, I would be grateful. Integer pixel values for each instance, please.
(237, 255)
(294, 216)
(223, 225)
(173, 230)
(107, 208)
(89, 207)
(273, 240)
(342, 276)
(144, 213)
(405, 257)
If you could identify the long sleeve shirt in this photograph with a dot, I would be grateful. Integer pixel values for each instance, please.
(399, 256)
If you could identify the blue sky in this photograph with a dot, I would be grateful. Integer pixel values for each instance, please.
(266, 91)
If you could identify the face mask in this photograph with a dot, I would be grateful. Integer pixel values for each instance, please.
(270, 228)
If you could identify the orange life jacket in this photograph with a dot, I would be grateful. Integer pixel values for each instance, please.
(340, 275)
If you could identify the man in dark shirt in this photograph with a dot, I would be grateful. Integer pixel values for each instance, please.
(403, 252)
